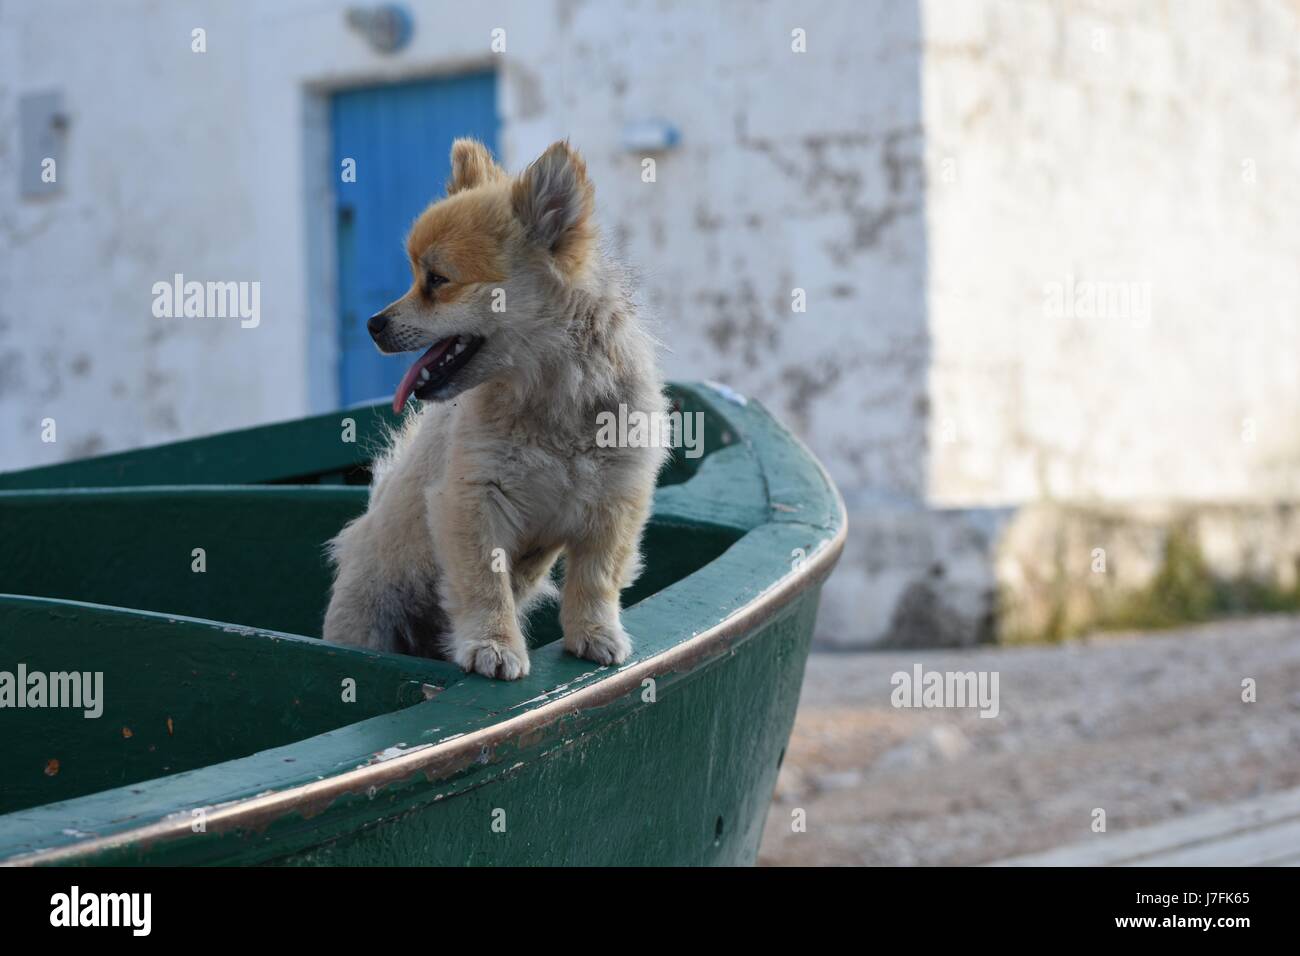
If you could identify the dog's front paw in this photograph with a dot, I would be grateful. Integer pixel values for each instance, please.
(602, 643)
(493, 658)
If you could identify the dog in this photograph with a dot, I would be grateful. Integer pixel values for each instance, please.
(529, 334)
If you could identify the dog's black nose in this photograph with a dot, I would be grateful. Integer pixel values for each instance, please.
(377, 323)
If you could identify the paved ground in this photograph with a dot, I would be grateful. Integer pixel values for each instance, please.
(1148, 727)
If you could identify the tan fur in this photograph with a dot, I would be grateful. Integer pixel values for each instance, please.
(472, 165)
(574, 246)
(504, 462)
(462, 238)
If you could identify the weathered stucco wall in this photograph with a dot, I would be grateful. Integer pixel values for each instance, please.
(155, 180)
(1112, 301)
(203, 164)
(1139, 148)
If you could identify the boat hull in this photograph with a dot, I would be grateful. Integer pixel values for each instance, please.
(247, 752)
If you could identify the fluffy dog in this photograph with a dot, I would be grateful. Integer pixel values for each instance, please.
(529, 335)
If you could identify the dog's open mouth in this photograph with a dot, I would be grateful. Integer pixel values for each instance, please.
(434, 368)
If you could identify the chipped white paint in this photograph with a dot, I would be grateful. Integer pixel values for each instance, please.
(729, 393)
(240, 629)
(393, 752)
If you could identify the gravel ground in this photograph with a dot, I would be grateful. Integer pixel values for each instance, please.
(1146, 726)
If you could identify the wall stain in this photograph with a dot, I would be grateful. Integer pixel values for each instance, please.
(805, 385)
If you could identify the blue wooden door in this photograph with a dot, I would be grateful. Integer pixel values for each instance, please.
(399, 137)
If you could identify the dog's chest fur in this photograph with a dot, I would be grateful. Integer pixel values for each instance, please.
(543, 471)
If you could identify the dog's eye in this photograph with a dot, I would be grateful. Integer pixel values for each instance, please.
(433, 280)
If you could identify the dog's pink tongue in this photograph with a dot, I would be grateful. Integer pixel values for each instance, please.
(412, 376)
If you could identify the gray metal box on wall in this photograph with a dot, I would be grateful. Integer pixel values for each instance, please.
(43, 126)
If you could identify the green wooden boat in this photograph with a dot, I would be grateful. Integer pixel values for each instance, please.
(191, 578)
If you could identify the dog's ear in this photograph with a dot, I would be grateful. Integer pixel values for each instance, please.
(553, 199)
(471, 165)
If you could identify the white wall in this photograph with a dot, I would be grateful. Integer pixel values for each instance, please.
(795, 170)
(1114, 141)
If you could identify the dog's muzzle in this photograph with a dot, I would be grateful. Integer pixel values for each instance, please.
(392, 335)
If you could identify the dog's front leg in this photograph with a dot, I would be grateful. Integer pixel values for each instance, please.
(473, 535)
(596, 568)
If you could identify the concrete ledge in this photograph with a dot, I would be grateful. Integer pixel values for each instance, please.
(921, 577)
